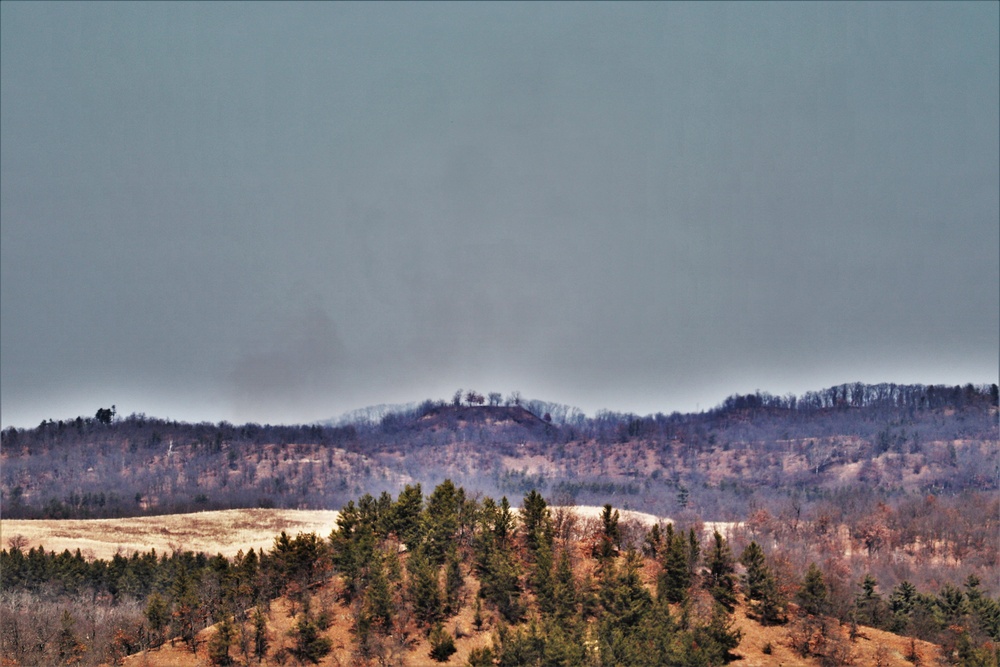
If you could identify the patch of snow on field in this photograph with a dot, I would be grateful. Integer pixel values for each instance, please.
(591, 512)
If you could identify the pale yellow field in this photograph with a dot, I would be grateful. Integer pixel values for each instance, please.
(225, 532)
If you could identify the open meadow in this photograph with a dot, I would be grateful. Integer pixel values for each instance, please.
(223, 532)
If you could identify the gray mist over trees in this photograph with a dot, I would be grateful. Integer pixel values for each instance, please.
(284, 212)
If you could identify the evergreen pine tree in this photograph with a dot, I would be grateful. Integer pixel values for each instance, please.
(812, 595)
(624, 597)
(501, 586)
(503, 523)
(652, 544)
(539, 534)
(301, 560)
(536, 523)
(496, 564)
(187, 612)
(752, 559)
(261, 641)
(385, 513)
(869, 607)
(903, 599)
(952, 604)
(248, 588)
(441, 520)
(424, 588)
(481, 657)
(353, 545)
(984, 609)
(442, 644)
(720, 580)
(157, 617)
(770, 607)
(477, 615)
(309, 645)
(675, 575)
(609, 539)
(716, 639)
(405, 516)
(563, 645)
(564, 589)
(542, 578)
(761, 586)
(694, 554)
(218, 645)
(378, 604)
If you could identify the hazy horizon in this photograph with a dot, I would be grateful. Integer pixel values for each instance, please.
(358, 412)
(279, 213)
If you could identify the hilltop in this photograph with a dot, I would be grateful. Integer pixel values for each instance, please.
(757, 449)
(458, 417)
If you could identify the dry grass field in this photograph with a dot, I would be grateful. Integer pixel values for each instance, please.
(229, 531)
(222, 532)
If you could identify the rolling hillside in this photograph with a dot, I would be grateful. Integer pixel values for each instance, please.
(895, 483)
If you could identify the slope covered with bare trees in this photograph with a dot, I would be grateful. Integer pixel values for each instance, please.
(897, 480)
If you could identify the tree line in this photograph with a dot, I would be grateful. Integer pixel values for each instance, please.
(549, 589)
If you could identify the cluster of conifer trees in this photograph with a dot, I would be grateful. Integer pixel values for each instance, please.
(549, 592)
(548, 602)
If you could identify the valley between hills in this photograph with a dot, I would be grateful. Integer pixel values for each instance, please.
(881, 498)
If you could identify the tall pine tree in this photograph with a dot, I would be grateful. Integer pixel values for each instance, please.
(761, 586)
(675, 576)
(720, 579)
(812, 595)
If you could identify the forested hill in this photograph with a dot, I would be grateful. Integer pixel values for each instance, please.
(752, 451)
(896, 482)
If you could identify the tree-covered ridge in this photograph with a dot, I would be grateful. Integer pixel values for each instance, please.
(894, 481)
(542, 588)
(756, 450)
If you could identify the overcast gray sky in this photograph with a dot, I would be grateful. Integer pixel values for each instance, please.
(276, 213)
